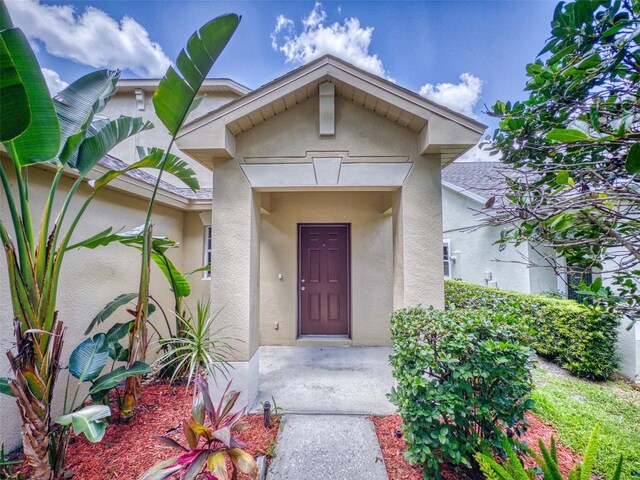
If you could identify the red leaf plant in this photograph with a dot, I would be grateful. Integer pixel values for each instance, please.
(208, 445)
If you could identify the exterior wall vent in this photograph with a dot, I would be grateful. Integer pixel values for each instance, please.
(327, 108)
(140, 99)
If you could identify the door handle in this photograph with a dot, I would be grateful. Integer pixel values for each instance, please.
(302, 288)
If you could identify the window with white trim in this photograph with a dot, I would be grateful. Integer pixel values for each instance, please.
(446, 253)
(207, 250)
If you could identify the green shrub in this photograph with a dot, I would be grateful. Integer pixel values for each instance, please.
(462, 376)
(579, 338)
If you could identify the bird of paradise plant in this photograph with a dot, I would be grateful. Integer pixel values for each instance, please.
(64, 134)
(174, 99)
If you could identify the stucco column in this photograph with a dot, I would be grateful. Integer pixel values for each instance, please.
(417, 237)
(235, 263)
(398, 250)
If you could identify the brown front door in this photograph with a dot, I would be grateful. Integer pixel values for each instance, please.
(323, 279)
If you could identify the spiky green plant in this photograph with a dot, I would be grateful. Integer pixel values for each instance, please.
(513, 469)
(200, 347)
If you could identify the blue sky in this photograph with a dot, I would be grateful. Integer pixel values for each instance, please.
(462, 54)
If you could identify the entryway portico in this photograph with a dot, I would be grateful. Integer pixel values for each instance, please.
(327, 144)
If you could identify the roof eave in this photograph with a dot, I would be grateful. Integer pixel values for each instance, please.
(209, 84)
(443, 132)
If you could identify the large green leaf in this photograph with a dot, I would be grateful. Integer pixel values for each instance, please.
(118, 331)
(567, 135)
(15, 115)
(175, 92)
(130, 238)
(204, 268)
(100, 141)
(114, 378)
(88, 420)
(179, 284)
(108, 310)
(153, 158)
(89, 358)
(41, 140)
(5, 389)
(77, 104)
(633, 159)
(5, 18)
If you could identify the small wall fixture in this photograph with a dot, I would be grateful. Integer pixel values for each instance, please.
(205, 217)
(140, 99)
(327, 108)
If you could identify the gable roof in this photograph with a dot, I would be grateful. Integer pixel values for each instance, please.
(476, 180)
(441, 130)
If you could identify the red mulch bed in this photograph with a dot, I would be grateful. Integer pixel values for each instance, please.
(394, 448)
(128, 450)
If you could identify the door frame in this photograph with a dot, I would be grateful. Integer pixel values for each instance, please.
(298, 272)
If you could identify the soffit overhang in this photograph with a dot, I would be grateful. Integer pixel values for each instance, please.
(209, 85)
(438, 129)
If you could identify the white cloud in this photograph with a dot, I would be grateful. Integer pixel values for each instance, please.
(348, 41)
(478, 154)
(92, 37)
(54, 82)
(461, 97)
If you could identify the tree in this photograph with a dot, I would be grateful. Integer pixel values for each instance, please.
(573, 149)
(64, 133)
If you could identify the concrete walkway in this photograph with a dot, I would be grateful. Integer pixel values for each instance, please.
(326, 393)
(332, 447)
(326, 380)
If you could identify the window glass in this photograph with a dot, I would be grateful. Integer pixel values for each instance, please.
(207, 250)
(446, 247)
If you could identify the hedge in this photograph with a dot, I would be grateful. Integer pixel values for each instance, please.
(579, 338)
(463, 376)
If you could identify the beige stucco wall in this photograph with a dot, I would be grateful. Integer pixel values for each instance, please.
(629, 350)
(359, 131)
(124, 103)
(401, 255)
(628, 340)
(192, 255)
(475, 251)
(90, 278)
(542, 278)
(371, 261)
(419, 232)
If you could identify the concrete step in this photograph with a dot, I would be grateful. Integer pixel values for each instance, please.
(335, 447)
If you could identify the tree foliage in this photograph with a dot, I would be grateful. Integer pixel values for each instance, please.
(573, 148)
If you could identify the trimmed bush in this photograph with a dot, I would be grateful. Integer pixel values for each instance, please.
(462, 376)
(579, 338)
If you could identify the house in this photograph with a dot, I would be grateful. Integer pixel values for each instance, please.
(470, 253)
(320, 213)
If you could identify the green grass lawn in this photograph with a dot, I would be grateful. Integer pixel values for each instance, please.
(574, 406)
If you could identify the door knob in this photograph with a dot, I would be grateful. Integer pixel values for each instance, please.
(302, 288)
